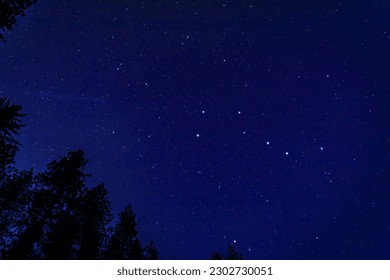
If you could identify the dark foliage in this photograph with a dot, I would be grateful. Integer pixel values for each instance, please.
(124, 243)
(10, 115)
(67, 220)
(10, 124)
(96, 215)
(14, 185)
(151, 251)
(217, 256)
(231, 254)
(9, 10)
(53, 228)
(54, 214)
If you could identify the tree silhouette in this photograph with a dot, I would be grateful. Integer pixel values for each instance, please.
(151, 251)
(124, 243)
(10, 115)
(15, 203)
(231, 254)
(96, 215)
(10, 124)
(9, 10)
(217, 256)
(52, 227)
(53, 214)
(66, 181)
(65, 219)
(14, 185)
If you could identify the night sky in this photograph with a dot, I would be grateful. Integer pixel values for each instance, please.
(263, 124)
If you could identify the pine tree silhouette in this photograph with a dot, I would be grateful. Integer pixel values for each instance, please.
(14, 185)
(217, 256)
(9, 10)
(231, 254)
(96, 215)
(53, 224)
(124, 243)
(10, 125)
(54, 215)
(151, 251)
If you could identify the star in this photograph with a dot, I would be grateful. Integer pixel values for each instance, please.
(197, 135)
(286, 153)
(267, 142)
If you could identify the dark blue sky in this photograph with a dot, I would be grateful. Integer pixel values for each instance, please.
(264, 124)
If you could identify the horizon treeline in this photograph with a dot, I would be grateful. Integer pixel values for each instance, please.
(54, 214)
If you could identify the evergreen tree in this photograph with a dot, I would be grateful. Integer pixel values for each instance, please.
(66, 181)
(231, 254)
(54, 215)
(10, 125)
(216, 256)
(96, 215)
(10, 122)
(124, 243)
(150, 251)
(15, 204)
(9, 10)
(14, 186)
